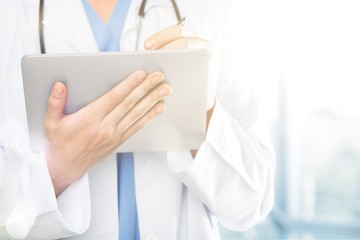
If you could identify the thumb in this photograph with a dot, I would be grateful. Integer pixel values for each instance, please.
(56, 103)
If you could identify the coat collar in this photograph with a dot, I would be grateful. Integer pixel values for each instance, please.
(68, 20)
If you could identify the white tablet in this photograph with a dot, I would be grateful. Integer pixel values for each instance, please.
(88, 76)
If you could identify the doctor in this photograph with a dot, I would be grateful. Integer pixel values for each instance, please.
(71, 189)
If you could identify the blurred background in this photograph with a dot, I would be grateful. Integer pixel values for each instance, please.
(304, 57)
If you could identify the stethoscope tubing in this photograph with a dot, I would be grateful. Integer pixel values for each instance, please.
(141, 15)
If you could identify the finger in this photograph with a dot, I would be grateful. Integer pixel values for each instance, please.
(155, 111)
(56, 105)
(143, 106)
(163, 37)
(116, 95)
(135, 96)
(187, 42)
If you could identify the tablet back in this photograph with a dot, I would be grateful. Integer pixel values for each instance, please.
(88, 76)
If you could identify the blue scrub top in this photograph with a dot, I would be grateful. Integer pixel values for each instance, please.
(108, 39)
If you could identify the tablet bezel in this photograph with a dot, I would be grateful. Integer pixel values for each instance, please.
(89, 75)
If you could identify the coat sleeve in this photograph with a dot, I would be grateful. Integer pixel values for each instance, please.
(233, 171)
(28, 205)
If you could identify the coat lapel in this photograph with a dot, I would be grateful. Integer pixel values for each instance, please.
(132, 19)
(67, 20)
(158, 195)
(158, 14)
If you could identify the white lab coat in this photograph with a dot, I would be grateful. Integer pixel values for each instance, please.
(230, 181)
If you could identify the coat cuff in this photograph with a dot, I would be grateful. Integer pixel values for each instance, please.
(39, 208)
(228, 173)
(182, 161)
(37, 198)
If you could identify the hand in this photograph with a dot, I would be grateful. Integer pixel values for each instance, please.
(79, 140)
(176, 37)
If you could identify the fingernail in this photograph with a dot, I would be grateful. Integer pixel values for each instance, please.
(165, 91)
(57, 90)
(150, 44)
(161, 108)
(141, 76)
(157, 78)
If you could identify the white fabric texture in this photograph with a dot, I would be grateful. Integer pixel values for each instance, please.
(231, 179)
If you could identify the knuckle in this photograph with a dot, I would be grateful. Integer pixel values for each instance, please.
(105, 133)
(156, 96)
(147, 117)
(138, 126)
(114, 97)
(151, 114)
(52, 102)
(146, 86)
(90, 117)
(126, 105)
(137, 113)
(49, 126)
(130, 131)
(159, 108)
(120, 129)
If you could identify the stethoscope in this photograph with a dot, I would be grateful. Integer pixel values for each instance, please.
(141, 15)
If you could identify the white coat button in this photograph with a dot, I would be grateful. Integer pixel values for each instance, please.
(151, 237)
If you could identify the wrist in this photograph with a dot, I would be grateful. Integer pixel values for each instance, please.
(60, 175)
(58, 181)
